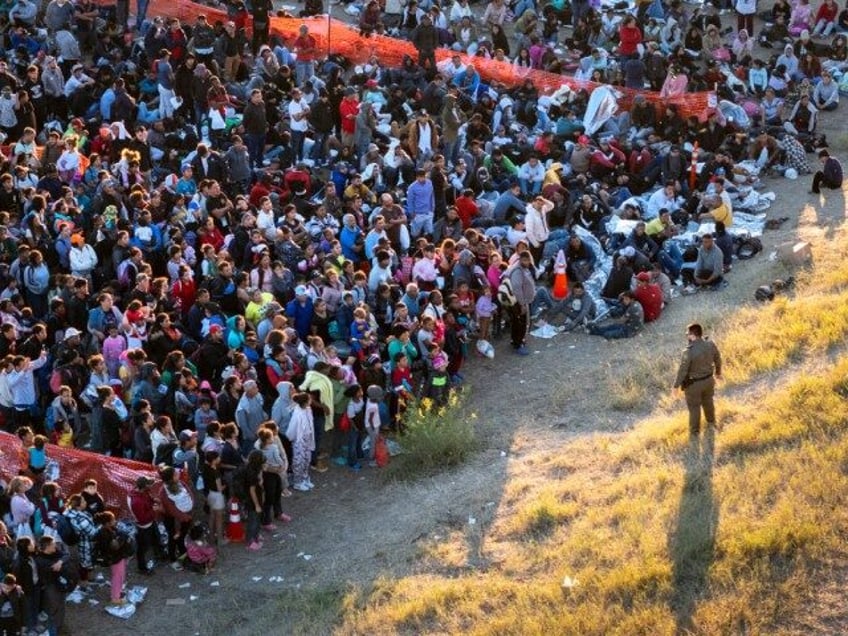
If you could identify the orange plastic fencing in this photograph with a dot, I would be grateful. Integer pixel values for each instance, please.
(115, 477)
(339, 37)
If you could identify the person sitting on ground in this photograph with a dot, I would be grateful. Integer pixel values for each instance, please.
(578, 307)
(709, 268)
(627, 326)
(649, 295)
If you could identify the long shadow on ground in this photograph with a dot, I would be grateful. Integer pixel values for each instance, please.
(692, 542)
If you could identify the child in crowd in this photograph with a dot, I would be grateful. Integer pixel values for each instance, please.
(356, 415)
(63, 434)
(484, 310)
(213, 486)
(38, 455)
(112, 548)
(113, 346)
(401, 390)
(302, 436)
(94, 502)
(372, 420)
(203, 416)
(199, 553)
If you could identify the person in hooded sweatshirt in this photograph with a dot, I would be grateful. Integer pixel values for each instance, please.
(146, 387)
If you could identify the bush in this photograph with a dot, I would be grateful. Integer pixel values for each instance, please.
(435, 439)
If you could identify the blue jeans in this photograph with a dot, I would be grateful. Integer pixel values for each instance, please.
(318, 430)
(530, 187)
(671, 259)
(544, 300)
(317, 153)
(255, 148)
(354, 446)
(252, 525)
(612, 331)
(303, 71)
(298, 137)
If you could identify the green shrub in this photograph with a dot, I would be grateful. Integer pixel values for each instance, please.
(434, 440)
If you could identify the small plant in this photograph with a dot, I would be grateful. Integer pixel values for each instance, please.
(435, 439)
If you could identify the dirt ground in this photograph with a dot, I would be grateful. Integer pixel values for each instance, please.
(354, 528)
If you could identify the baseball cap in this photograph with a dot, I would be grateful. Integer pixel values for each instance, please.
(71, 332)
(300, 290)
(583, 139)
(643, 276)
(628, 251)
(187, 435)
(215, 329)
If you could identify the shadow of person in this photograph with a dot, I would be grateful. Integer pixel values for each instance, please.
(692, 541)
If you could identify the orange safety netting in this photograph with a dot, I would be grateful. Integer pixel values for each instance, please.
(341, 38)
(115, 477)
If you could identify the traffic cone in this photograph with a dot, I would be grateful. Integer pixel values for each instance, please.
(235, 528)
(560, 290)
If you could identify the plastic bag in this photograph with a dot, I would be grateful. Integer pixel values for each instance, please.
(125, 611)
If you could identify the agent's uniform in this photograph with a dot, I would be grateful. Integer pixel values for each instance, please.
(701, 359)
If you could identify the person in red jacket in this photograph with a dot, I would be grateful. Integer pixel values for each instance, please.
(144, 508)
(649, 295)
(606, 159)
(629, 36)
(348, 109)
(467, 208)
(826, 18)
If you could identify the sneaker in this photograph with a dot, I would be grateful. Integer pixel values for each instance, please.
(284, 517)
(309, 484)
(319, 468)
(372, 464)
(176, 566)
(302, 487)
(540, 323)
(255, 546)
(356, 466)
(269, 527)
(522, 351)
(690, 289)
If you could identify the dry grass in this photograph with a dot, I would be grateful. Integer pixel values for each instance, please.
(713, 540)
(754, 340)
(731, 535)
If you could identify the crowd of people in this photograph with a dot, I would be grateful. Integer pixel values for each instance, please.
(235, 257)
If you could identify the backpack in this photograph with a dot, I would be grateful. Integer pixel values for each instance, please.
(748, 248)
(68, 577)
(124, 273)
(66, 531)
(165, 454)
(238, 484)
(506, 295)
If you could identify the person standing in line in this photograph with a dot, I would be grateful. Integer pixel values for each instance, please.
(830, 176)
(699, 369)
(523, 282)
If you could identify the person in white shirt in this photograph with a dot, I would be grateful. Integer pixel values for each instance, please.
(450, 67)
(298, 122)
(531, 175)
(460, 9)
(665, 197)
(265, 221)
(83, 258)
(536, 219)
(77, 80)
(517, 231)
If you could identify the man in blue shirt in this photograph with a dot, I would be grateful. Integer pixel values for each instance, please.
(421, 202)
(508, 203)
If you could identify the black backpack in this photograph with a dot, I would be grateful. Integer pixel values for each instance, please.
(67, 533)
(165, 454)
(238, 484)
